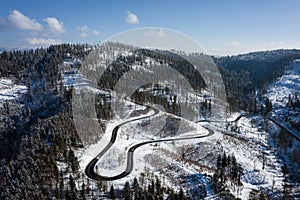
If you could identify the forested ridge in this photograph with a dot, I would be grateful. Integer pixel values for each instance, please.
(38, 139)
(247, 76)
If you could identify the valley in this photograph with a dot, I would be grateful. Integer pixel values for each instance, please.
(184, 142)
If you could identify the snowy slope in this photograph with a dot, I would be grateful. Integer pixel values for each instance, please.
(10, 91)
(289, 83)
(165, 160)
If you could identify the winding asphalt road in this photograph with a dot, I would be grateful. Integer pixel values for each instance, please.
(219, 121)
(90, 168)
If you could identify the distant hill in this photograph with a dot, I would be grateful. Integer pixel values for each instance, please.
(12, 48)
(264, 67)
(2, 49)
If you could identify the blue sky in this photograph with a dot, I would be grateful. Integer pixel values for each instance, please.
(221, 27)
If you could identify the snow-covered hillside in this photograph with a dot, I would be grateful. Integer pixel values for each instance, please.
(165, 160)
(10, 91)
(265, 55)
(288, 84)
(189, 164)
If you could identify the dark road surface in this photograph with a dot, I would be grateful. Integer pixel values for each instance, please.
(279, 122)
(90, 168)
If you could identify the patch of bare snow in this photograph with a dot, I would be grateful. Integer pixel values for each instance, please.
(10, 90)
(289, 83)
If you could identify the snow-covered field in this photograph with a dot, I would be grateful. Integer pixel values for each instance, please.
(10, 91)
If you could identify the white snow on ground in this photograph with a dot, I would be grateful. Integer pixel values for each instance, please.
(10, 91)
(248, 144)
(80, 83)
(247, 150)
(233, 116)
(251, 158)
(73, 79)
(114, 161)
(289, 83)
(91, 151)
(278, 93)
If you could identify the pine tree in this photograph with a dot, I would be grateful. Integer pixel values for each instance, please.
(261, 196)
(72, 183)
(136, 189)
(151, 187)
(219, 163)
(224, 160)
(157, 186)
(68, 195)
(228, 160)
(268, 105)
(112, 193)
(264, 161)
(127, 191)
(181, 194)
(82, 193)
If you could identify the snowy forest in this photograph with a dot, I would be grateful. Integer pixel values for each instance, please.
(39, 140)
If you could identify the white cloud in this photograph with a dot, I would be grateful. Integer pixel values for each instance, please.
(85, 31)
(278, 43)
(55, 26)
(20, 21)
(235, 43)
(156, 32)
(43, 41)
(132, 18)
(95, 32)
(83, 34)
(34, 33)
(83, 28)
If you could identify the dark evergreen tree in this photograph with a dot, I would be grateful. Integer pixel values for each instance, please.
(181, 194)
(219, 162)
(82, 193)
(112, 193)
(127, 191)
